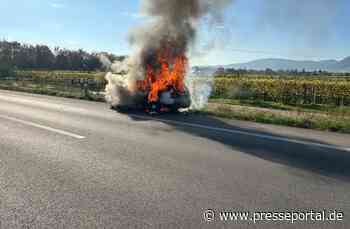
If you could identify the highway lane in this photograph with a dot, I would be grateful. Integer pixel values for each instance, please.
(76, 164)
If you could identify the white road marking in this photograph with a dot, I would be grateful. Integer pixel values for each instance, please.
(263, 136)
(62, 132)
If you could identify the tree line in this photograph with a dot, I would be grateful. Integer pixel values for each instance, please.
(14, 55)
(271, 72)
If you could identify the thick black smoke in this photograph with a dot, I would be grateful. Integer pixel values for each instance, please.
(173, 22)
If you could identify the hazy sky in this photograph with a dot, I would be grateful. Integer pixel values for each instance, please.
(251, 29)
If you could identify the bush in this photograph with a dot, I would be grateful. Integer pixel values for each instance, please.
(6, 70)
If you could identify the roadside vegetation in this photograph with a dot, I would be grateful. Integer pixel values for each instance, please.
(333, 119)
(78, 85)
(316, 103)
(317, 100)
(285, 90)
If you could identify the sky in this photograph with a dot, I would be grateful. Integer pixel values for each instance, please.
(248, 30)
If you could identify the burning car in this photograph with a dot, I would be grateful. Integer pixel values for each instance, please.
(164, 83)
(162, 87)
(169, 100)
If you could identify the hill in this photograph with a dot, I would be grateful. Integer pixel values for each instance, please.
(286, 64)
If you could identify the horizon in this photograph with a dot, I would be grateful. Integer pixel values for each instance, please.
(248, 31)
(214, 65)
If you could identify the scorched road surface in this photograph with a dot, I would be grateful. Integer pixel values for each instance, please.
(76, 164)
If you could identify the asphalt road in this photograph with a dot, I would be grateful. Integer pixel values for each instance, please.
(77, 164)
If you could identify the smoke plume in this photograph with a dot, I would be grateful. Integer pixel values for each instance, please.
(171, 21)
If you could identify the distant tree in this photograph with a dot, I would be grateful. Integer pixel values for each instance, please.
(269, 71)
(61, 61)
(24, 56)
(45, 59)
(5, 68)
(6, 60)
(93, 62)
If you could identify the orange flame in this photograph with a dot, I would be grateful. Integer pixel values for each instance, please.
(170, 74)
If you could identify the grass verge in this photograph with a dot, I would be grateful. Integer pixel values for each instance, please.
(73, 93)
(312, 108)
(301, 119)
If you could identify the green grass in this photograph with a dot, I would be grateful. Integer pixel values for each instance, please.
(308, 120)
(312, 108)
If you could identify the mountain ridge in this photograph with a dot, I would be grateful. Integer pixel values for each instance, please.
(288, 64)
(276, 64)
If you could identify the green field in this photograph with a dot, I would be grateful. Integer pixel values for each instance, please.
(286, 90)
